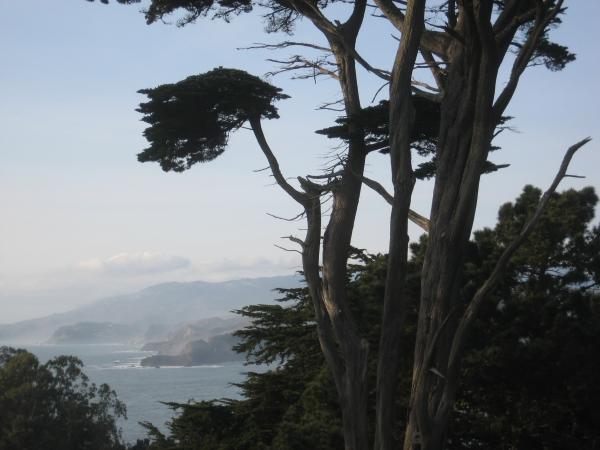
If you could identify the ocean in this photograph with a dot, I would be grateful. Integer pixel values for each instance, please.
(143, 388)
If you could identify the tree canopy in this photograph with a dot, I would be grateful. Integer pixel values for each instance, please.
(455, 69)
(54, 405)
(529, 372)
(190, 121)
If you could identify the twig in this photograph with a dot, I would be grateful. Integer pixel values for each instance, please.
(288, 249)
(292, 219)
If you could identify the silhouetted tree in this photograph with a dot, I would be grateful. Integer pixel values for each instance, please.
(463, 44)
(528, 380)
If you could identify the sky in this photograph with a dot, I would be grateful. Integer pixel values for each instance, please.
(82, 219)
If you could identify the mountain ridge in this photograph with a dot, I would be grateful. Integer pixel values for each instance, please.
(168, 303)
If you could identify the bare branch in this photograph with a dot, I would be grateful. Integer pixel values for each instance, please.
(424, 85)
(487, 287)
(379, 90)
(284, 44)
(298, 241)
(328, 176)
(297, 62)
(300, 197)
(438, 73)
(377, 187)
(383, 74)
(309, 186)
(328, 106)
(414, 217)
(288, 249)
(292, 219)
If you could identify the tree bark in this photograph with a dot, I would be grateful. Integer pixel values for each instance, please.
(466, 131)
(394, 309)
(349, 367)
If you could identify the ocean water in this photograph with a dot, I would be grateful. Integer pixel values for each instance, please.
(143, 388)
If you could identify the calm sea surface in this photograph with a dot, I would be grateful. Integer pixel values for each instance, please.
(142, 389)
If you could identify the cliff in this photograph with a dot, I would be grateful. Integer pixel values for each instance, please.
(216, 350)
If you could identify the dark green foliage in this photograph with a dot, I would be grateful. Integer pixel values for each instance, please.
(552, 55)
(193, 9)
(54, 406)
(279, 15)
(189, 130)
(374, 121)
(290, 406)
(528, 379)
(528, 376)
(190, 121)
(279, 332)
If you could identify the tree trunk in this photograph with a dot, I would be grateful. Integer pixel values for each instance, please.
(394, 307)
(466, 131)
(349, 368)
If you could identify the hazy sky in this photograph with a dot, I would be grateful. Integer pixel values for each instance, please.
(81, 218)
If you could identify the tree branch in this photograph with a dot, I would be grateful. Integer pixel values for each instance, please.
(284, 44)
(298, 62)
(543, 18)
(291, 219)
(354, 22)
(383, 74)
(432, 41)
(458, 343)
(437, 72)
(414, 217)
(300, 197)
(291, 250)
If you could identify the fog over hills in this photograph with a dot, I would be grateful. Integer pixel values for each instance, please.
(156, 309)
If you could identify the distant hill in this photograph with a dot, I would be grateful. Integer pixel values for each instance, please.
(93, 333)
(157, 309)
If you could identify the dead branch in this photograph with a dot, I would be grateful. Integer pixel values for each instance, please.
(298, 196)
(491, 282)
(387, 83)
(296, 62)
(327, 106)
(284, 44)
(292, 219)
(381, 73)
(414, 217)
(310, 186)
(424, 85)
(288, 249)
(298, 241)
(327, 176)
(439, 75)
